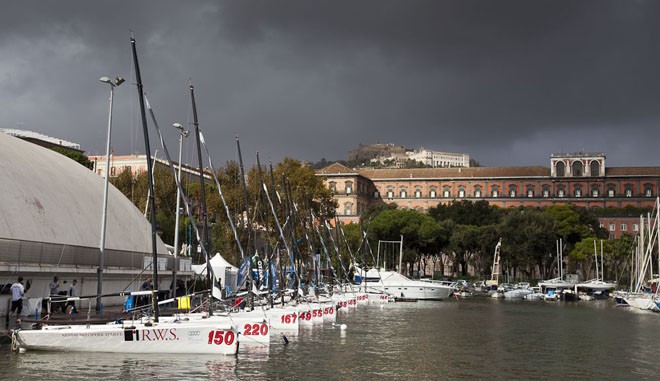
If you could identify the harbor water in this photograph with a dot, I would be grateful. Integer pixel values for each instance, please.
(470, 339)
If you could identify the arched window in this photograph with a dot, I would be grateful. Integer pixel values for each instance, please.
(545, 190)
(595, 192)
(418, 192)
(477, 191)
(446, 193)
(560, 168)
(512, 191)
(390, 192)
(461, 191)
(432, 194)
(402, 193)
(561, 191)
(577, 169)
(495, 191)
(333, 186)
(349, 187)
(530, 191)
(648, 190)
(628, 189)
(595, 168)
(577, 191)
(611, 190)
(348, 208)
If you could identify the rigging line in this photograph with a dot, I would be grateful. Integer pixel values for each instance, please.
(176, 179)
(224, 202)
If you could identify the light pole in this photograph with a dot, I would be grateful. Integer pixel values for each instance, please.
(113, 83)
(182, 134)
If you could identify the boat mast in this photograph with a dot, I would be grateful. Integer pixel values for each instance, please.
(401, 255)
(143, 116)
(205, 230)
(182, 134)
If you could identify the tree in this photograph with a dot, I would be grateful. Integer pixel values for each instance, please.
(420, 232)
(466, 212)
(77, 156)
(528, 239)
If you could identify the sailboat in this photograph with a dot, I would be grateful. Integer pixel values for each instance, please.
(559, 287)
(596, 288)
(399, 286)
(643, 290)
(144, 335)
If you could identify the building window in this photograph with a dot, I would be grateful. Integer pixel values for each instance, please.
(610, 191)
(477, 191)
(432, 194)
(577, 169)
(648, 190)
(418, 193)
(390, 193)
(333, 186)
(461, 192)
(512, 191)
(628, 190)
(376, 194)
(560, 191)
(635, 227)
(595, 168)
(349, 187)
(530, 191)
(402, 193)
(578, 191)
(612, 227)
(594, 191)
(348, 208)
(560, 168)
(445, 192)
(495, 191)
(624, 227)
(546, 191)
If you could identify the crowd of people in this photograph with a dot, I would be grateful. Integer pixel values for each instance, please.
(58, 296)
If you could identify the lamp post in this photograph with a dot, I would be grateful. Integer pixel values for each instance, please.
(113, 83)
(182, 134)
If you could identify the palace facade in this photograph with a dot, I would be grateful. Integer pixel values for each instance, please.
(582, 179)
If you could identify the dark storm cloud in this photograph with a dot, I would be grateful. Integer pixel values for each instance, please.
(508, 82)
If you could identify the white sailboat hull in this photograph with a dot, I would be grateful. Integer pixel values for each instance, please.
(160, 338)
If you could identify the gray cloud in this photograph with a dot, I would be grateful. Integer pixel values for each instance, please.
(508, 82)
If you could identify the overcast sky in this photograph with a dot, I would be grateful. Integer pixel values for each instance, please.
(507, 82)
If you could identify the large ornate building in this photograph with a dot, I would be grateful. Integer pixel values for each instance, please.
(578, 178)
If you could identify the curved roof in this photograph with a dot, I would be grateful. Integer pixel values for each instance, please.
(46, 197)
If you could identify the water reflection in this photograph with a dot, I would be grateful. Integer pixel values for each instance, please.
(467, 339)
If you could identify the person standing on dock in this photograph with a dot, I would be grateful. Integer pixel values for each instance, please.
(54, 294)
(72, 292)
(17, 292)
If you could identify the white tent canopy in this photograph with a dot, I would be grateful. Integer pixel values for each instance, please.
(221, 269)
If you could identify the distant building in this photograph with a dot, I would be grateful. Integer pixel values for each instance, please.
(138, 164)
(373, 151)
(437, 159)
(578, 178)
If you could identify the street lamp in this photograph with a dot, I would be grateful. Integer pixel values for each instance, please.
(182, 134)
(113, 83)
